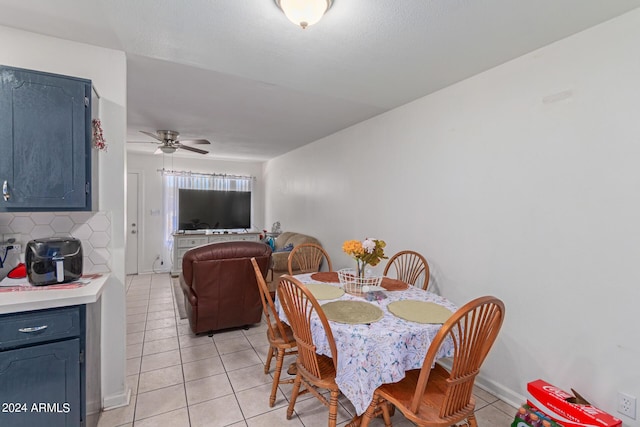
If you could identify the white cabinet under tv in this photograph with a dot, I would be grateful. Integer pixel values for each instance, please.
(183, 242)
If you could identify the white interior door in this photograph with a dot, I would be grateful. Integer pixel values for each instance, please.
(131, 254)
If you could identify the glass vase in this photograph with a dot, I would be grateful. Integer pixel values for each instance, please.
(361, 268)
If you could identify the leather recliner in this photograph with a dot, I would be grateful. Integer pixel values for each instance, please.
(219, 285)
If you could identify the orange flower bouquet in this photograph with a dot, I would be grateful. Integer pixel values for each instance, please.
(369, 251)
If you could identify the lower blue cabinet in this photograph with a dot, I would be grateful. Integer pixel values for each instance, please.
(42, 368)
(40, 385)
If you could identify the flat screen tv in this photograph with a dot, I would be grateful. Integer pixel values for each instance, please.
(213, 209)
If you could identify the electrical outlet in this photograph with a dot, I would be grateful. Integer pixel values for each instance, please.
(15, 247)
(627, 405)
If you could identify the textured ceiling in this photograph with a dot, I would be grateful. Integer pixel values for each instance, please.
(238, 73)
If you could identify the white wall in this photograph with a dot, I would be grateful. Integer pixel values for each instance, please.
(107, 70)
(509, 190)
(150, 230)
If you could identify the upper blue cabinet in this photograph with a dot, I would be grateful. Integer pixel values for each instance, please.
(45, 141)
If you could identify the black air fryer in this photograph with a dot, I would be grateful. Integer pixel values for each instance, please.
(53, 260)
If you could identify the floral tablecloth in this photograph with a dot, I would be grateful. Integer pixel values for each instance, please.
(373, 354)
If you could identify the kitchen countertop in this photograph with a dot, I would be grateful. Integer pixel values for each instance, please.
(41, 298)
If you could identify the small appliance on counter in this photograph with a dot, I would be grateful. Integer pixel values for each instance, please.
(53, 260)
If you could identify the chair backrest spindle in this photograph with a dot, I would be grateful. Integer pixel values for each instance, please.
(276, 328)
(307, 258)
(472, 329)
(410, 267)
(300, 305)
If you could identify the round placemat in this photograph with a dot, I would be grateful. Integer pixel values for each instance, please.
(323, 291)
(393, 284)
(353, 312)
(419, 311)
(326, 276)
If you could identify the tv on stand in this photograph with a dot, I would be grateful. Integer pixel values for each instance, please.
(202, 211)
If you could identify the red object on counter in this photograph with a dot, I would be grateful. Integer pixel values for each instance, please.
(18, 272)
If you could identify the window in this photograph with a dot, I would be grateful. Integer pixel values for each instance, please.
(174, 180)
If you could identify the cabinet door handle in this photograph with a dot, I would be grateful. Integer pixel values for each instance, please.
(5, 191)
(34, 329)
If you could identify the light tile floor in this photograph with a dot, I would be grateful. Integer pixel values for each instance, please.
(181, 380)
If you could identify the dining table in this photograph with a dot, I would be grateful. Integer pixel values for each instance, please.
(382, 344)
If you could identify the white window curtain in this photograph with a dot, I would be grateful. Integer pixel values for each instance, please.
(174, 180)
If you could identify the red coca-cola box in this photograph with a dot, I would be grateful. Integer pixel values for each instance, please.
(564, 408)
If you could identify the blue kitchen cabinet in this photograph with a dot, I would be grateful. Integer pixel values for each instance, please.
(43, 369)
(41, 385)
(45, 141)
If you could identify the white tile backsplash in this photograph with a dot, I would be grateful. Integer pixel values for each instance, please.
(92, 228)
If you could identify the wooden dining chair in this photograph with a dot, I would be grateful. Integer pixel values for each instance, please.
(431, 397)
(279, 335)
(307, 258)
(410, 267)
(313, 370)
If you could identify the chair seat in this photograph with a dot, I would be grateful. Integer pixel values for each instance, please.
(401, 393)
(327, 373)
(276, 340)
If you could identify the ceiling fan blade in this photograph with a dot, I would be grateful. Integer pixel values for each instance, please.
(195, 150)
(194, 141)
(152, 135)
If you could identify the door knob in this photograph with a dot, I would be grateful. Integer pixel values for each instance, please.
(133, 231)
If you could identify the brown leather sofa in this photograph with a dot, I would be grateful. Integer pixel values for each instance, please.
(219, 285)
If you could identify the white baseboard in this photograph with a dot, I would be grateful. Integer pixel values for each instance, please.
(158, 271)
(501, 392)
(117, 400)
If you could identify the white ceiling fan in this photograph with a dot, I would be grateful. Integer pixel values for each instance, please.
(169, 142)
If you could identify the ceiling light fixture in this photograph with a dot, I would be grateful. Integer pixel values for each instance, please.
(304, 12)
(167, 149)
